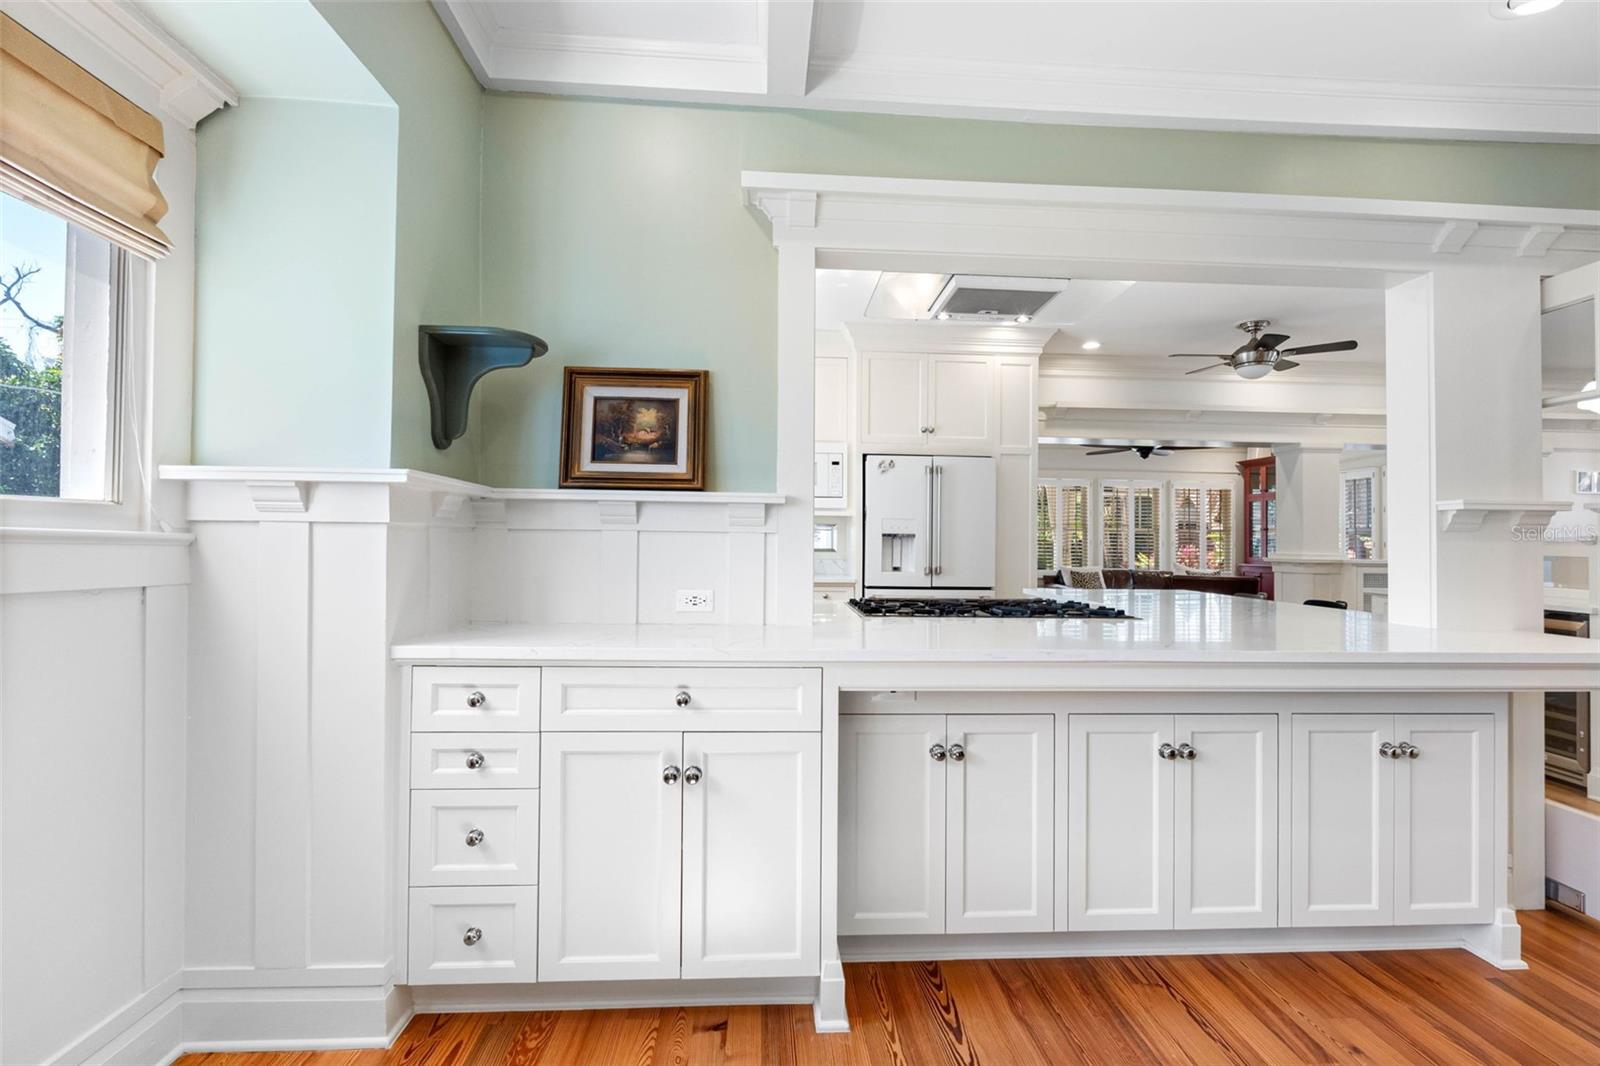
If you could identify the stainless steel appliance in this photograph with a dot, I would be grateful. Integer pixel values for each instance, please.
(1567, 755)
(983, 607)
(927, 523)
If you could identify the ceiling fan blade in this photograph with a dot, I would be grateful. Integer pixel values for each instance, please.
(1109, 451)
(1196, 355)
(1284, 364)
(1269, 341)
(1314, 349)
(1203, 369)
(1161, 451)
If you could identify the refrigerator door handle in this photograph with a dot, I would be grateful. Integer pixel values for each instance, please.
(938, 518)
(927, 567)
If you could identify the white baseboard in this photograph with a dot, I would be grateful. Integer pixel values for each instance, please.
(612, 995)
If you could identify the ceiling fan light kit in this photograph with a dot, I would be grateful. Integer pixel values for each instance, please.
(1261, 354)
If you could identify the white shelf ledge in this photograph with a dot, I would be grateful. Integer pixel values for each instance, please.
(1468, 515)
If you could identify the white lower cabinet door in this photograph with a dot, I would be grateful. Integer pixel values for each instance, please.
(1000, 823)
(610, 826)
(1120, 807)
(1444, 819)
(1341, 827)
(891, 823)
(1225, 821)
(473, 935)
(752, 847)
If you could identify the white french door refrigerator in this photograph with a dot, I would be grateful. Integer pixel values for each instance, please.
(927, 524)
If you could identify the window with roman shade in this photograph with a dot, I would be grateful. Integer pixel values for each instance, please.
(74, 147)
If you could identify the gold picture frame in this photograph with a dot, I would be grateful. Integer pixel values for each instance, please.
(633, 428)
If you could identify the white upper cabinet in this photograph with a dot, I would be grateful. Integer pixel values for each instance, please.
(1444, 819)
(935, 403)
(960, 399)
(1225, 824)
(1342, 820)
(751, 845)
(999, 820)
(833, 399)
(893, 401)
(610, 823)
(1120, 803)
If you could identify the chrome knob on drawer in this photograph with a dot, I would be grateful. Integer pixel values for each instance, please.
(937, 753)
(476, 699)
(472, 936)
(474, 838)
(691, 775)
(474, 760)
(681, 699)
(669, 775)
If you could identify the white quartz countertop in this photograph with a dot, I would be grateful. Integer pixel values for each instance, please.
(1170, 626)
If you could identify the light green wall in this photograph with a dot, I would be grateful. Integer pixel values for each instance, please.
(294, 306)
(436, 242)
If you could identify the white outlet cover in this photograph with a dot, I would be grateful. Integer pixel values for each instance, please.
(694, 600)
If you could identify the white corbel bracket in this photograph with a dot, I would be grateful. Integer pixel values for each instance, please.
(1466, 516)
(618, 513)
(279, 497)
(747, 516)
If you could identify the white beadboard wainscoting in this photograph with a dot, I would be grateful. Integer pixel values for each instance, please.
(93, 642)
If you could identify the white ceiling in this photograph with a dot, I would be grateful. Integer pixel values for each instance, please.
(1431, 68)
(1139, 319)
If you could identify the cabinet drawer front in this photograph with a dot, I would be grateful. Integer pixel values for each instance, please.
(470, 935)
(653, 699)
(475, 760)
(478, 699)
(475, 837)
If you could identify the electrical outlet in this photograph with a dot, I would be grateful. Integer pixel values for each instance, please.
(694, 600)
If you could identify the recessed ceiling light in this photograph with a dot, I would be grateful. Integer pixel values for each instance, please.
(1021, 319)
(1090, 346)
(1520, 8)
(942, 315)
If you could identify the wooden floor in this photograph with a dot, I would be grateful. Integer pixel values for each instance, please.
(1440, 1007)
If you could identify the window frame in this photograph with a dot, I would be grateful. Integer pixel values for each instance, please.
(1052, 487)
(1235, 486)
(1362, 473)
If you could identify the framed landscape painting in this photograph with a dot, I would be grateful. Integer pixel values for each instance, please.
(633, 429)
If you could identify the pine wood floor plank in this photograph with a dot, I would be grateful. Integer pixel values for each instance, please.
(1444, 1008)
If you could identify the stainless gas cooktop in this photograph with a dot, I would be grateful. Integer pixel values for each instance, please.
(982, 607)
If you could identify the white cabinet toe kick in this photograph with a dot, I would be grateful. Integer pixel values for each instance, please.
(585, 835)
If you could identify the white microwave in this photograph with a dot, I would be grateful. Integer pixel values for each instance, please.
(827, 475)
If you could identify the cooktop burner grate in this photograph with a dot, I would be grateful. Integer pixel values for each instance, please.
(887, 607)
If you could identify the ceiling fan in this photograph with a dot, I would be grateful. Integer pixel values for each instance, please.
(1260, 355)
(1145, 451)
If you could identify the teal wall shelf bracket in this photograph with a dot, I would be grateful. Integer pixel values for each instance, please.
(454, 358)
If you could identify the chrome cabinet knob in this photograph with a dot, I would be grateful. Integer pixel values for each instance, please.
(937, 753)
(691, 775)
(957, 753)
(472, 935)
(669, 775)
(474, 760)
(1167, 751)
(681, 699)
(1387, 750)
(1407, 750)
(1186, 752)
(476, 699)
(474, 838)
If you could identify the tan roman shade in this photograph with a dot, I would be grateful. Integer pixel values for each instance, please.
(73, 146)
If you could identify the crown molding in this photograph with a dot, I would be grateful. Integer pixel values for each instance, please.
(928, 337)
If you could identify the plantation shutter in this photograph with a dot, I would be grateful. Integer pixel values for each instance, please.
(1073, 538)
(71, 145)
(1146, 530)
(1114, 527)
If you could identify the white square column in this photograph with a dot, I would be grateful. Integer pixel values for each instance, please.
(1464, 423)
(1309, 560)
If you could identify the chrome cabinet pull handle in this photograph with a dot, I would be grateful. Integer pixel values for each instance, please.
(473, 935)
(1387, 750)
(1167, 751)
(1186, 752)
(669, 775)
(937, 753)
(1408, 750)
(474, 838)
(681, 699)
(474, 760)
(957, 753)
(691, 775)
(477, 699)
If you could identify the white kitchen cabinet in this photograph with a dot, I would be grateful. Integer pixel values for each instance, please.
(894, 400)
(999, 823)
(474, 699)
(1225, 821)
(960, 402)
(751, 841)
(936, 403)
(946, 823)
(1120, 808)
(472, 935)
(649, 698)
(891, 824)
(832, 411)
(1342, 820)
(475, 836)
(611, 824)
(1443, 825)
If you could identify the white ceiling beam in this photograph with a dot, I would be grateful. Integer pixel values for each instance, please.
(788, 32)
